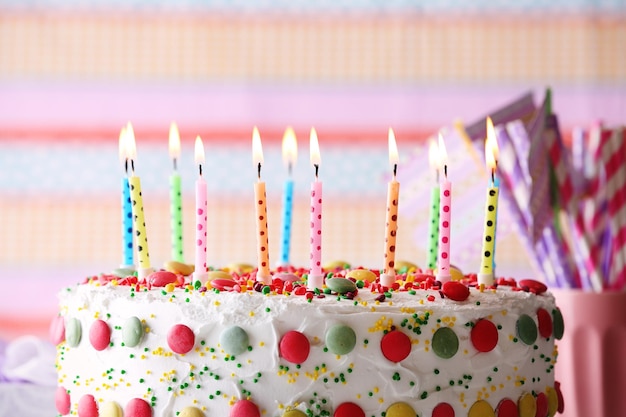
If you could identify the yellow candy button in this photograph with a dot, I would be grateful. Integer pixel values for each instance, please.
(362, 275)
(400, 410)
(240, 268)
(527, 405)
(332, 265)
(456, 274)
(191, 412)
(553, 401)
(406, 265)
(219, 274)
(110, 409)
(179, 268)
(481, 408)
(294, 413)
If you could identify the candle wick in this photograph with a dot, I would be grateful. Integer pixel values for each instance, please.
(445, 171)
(175, 163)
(200, 169)
(290, 168)
(132, 166)
(259, 171)
(317, 169)
(395, 170)
(126, 166)
(493, 176)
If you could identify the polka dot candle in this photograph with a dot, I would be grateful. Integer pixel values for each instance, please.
(433, 230)
(176, 205)
(200, 273)
(260, 198)
(127, 208)
(486, 272)
(445, 197)
(137, 205)
(391, 225)
(316, 276)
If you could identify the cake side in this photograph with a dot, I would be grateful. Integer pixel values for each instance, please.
(282, 350)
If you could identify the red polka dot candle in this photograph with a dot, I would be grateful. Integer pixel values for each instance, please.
(486, 272)
(176, 205)
(316, 277)
(391, 225)
(260, 199)
(200, 273)
(445, 216)
(137, 206)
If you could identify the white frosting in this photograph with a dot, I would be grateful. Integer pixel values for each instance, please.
(364, 376)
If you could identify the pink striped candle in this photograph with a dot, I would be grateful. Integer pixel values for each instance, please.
(263, 270)
(200, 273)
(316, 276)
(391, 226)
(445, 223)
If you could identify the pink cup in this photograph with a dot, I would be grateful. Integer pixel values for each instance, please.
(591, 365)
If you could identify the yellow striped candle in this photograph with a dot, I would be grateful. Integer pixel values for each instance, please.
(486, 273)
(260, 198)
(137, 205)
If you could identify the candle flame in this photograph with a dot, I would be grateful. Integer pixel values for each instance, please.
(314, 148)
(131, 147)
(257, 147)
(123, 151)
(290, 147)
(443, 154)
(393, 148)
(433, 154)
(174, 141)
(199, 151)
(491, 146)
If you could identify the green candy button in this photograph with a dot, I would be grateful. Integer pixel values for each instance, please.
(340, 339)
(73, 332)
(445, 342)
(526, 329)
(234, 340)
(558, 326)
(132, 332)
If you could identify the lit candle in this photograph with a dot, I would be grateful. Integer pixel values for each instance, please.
(486, 273)
(263, 270)
(290, 155)
(137, 206)
(127, 208)
(445, 212)
(433, 159)
(176, 205)
(391, 226)
(316, 277)
(200, 274)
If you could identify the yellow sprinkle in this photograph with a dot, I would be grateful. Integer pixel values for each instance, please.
(169, 287)
(114, 282)
(261, 344)
(358, 396)
(252, 314)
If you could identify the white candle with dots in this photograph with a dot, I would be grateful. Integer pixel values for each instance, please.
(316, 276)
(391, 226)
(137, 206)
(486, 272)
(263, 270)
(445, 216)
(200, 273)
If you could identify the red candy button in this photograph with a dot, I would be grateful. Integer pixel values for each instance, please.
(57, 330)
(456, 291)
(180, 339)
(87, 406)
(349, 410)
(245, 408)
(162, 278)
(62, 401)
(484, 335)
(137, 408)
(443, 410)
(535, 286)
(544, 320)
(294, 347)
(507, 408)
(542, 405)
(395, 346)
(99, 335)
(559, 395)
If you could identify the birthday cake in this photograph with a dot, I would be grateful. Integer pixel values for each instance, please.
(232, 346)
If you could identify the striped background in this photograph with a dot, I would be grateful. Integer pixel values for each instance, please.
(72, 72)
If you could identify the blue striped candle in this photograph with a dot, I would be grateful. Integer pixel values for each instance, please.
(127, 224)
